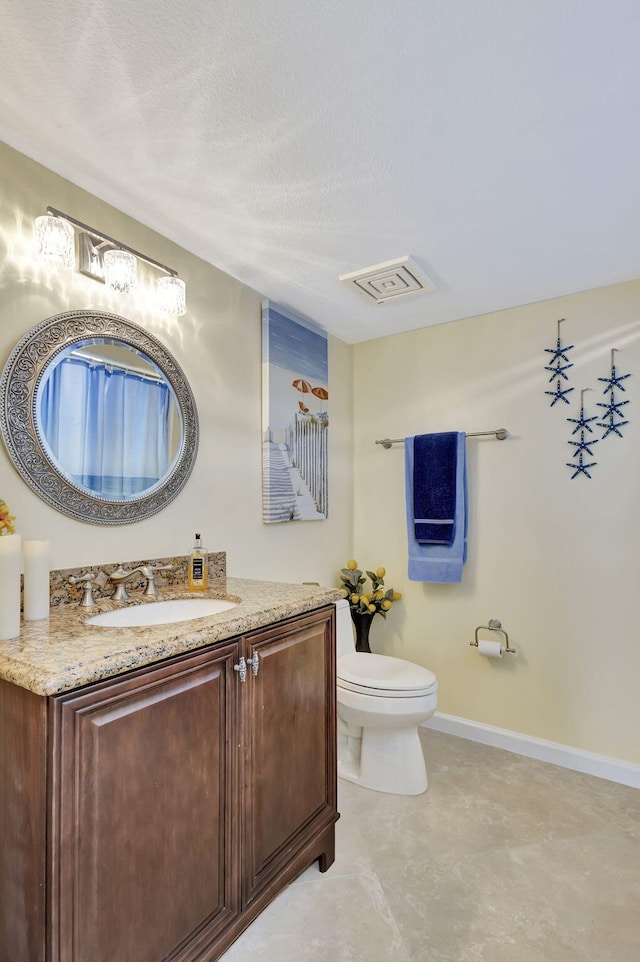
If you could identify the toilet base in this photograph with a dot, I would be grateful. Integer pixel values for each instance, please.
(382, 759)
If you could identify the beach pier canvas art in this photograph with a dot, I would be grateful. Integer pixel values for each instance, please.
(295, 417)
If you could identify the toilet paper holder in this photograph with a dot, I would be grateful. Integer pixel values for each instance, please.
(494, 625)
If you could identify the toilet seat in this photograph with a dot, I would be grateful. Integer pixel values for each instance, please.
(384, 676)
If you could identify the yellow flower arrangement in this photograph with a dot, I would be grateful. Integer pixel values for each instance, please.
(377, 601)
(6, 520)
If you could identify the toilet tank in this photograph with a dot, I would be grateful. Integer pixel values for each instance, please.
(345, 639)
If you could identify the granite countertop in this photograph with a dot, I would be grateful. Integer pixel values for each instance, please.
(63, 652)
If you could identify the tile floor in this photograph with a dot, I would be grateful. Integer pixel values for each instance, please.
(504, 859)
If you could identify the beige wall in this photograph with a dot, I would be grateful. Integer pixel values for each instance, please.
(557, 560)
(218, 345)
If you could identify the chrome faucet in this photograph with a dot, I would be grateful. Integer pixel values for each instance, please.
(118, 577)
(148, 572)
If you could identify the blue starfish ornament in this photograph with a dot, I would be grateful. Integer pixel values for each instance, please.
(558, 371)
(582, 422)
(580, 467)
(612, 406)
(583, 445)
(559, 352)
(559, 394)
(612, 427)
(614, 381)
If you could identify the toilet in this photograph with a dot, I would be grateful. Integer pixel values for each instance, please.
(381, 702)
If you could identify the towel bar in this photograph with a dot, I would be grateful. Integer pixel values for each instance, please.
(500, 433)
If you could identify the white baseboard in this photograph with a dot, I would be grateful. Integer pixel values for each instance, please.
(601, 766)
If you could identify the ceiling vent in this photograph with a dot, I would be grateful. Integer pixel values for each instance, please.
(390, 281)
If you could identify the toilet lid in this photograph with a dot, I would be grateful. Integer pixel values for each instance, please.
(383, 673)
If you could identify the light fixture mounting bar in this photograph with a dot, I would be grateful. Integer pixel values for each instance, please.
(112, 240)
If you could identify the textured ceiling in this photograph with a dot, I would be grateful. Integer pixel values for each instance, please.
(494, 141)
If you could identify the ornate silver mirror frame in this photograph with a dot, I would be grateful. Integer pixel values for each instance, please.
(27, 447)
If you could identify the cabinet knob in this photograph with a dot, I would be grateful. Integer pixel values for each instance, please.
(255, 663)
(241, 668)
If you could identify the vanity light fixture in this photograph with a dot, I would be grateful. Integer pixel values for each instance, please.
(120, 270)
(171, 295)
(54, 239)
(104, 259)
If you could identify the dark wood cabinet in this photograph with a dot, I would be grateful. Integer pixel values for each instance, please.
(151, 817)
(144, 790)
(289, 750)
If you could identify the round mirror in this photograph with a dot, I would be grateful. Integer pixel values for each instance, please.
(108, 419)
(98, 417)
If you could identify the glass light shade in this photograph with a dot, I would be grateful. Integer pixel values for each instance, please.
(172, 295)
(120, 271)
(54, 239)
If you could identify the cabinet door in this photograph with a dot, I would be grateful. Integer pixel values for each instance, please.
(289, 745)
(144, 841)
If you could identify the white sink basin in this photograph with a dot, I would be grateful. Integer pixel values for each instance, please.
(161, 612)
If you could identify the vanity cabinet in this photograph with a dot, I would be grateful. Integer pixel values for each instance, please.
(151, 817)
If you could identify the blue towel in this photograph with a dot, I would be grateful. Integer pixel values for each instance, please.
(438, 563)
(434, 487)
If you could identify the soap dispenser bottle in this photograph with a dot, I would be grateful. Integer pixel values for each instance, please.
(198, 567)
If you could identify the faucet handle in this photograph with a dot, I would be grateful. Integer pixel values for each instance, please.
(149, 572)
(88, 580)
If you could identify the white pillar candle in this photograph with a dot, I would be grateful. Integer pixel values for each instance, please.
(36, 580)
(10, 567)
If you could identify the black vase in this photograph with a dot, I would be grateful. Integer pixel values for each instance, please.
(362, 620)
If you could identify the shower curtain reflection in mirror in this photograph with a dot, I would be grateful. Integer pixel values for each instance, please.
(109, 430)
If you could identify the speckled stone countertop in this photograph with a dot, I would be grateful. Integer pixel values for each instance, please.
(63, 652)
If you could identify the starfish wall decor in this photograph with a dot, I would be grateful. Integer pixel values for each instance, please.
(612, 417)
(557, 369)
(584, 445)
